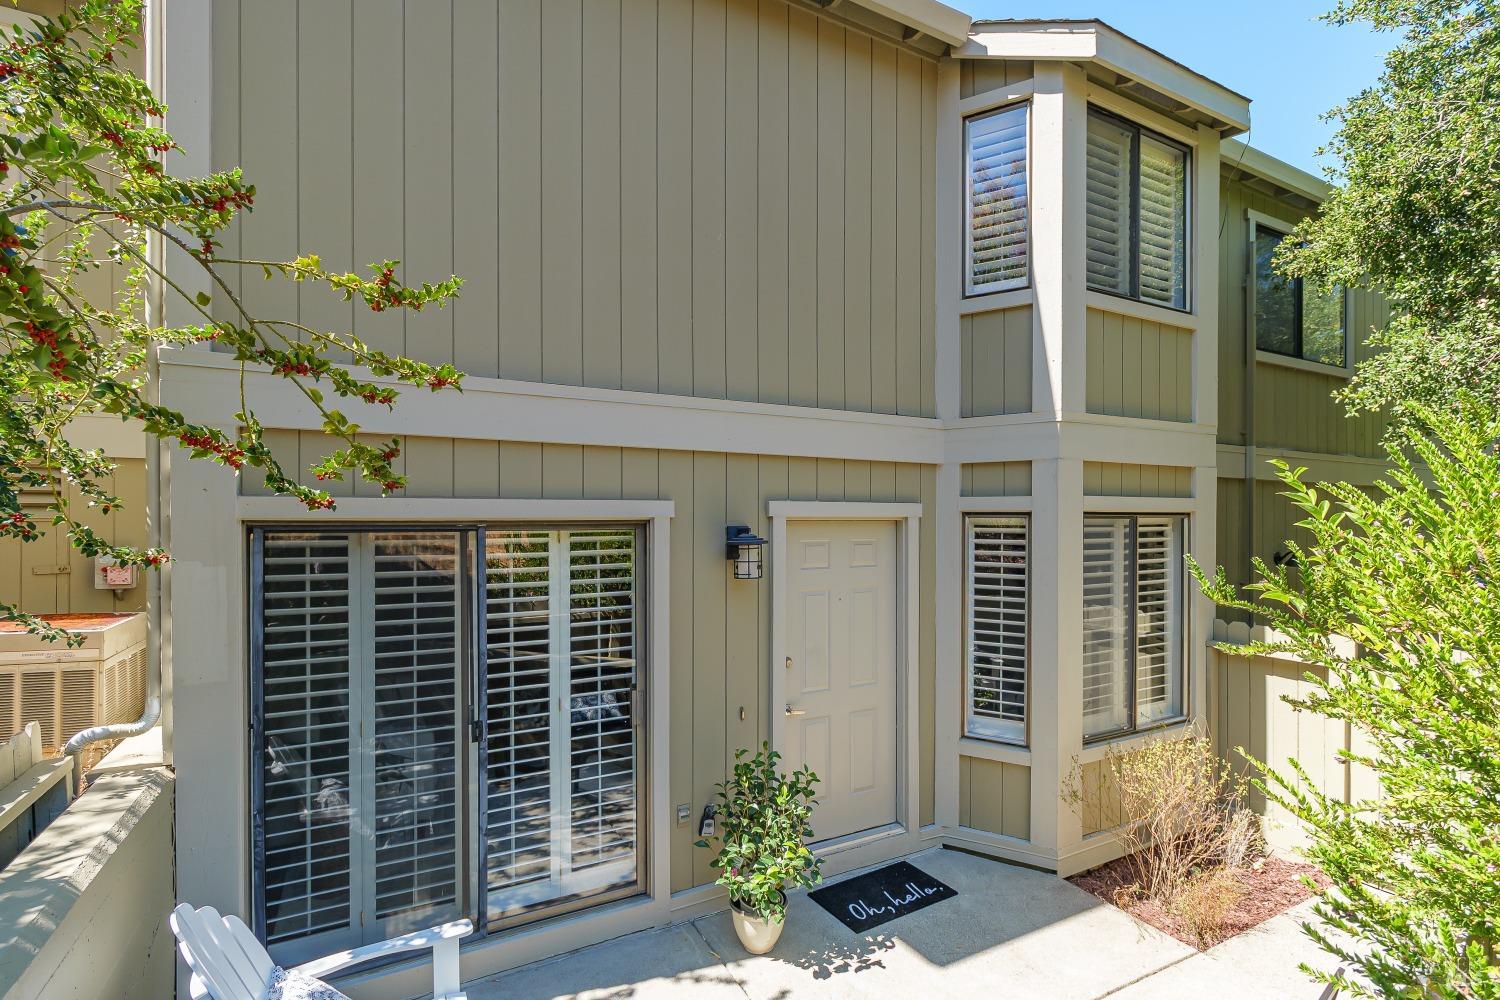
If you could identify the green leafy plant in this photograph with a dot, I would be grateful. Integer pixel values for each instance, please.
(88, 186)
(1410, 571)
(763, 825)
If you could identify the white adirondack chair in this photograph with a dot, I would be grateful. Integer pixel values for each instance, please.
(228, 962)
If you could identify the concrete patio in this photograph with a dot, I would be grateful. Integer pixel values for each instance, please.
(1011, 931)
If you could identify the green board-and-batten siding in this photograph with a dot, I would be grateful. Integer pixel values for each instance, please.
(722, 198)
(1138, 368)
(720, 628)
(994, 797)
(996, 479)
(996, 356)
(1117, 479)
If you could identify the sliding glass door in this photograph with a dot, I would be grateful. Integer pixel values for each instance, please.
(422, 698)
(562, 752)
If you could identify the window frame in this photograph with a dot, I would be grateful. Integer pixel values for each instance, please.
(1257, 224)
(1133, 210)
(472, 723)
(970, 289)
(969, 732)
(1133, 727)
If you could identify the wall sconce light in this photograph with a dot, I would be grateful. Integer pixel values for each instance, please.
(743, 548)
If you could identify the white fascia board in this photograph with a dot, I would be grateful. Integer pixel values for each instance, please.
(1063, 40)
(1096, 42)
(927, 16)
(1237, 155)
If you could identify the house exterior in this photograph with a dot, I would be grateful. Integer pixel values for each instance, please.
(963, 318)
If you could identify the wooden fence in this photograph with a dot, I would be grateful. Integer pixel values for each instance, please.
(1248, 709)
(34, 790)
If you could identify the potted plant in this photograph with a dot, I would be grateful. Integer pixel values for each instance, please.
(762, 819)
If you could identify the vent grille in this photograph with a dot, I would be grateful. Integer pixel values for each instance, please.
(37, 498)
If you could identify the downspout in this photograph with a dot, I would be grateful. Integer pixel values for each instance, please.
(151, 711)
(1248, 285)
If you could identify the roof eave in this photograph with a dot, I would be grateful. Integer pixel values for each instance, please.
(1097, 42)
(928, 17)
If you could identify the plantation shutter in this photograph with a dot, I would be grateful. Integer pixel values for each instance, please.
(359, 700)
(601, 640)
(305, 626)
(1107, 222)
(1158, 613)
(998, 604)
(562, 755)
(997, 204)
(518, 755)
(416, 625)
(1105, 633)
(1163, 223)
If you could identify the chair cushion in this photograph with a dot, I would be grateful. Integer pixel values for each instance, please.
(289, 984)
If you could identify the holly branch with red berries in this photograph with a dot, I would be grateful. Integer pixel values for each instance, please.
(82, 163)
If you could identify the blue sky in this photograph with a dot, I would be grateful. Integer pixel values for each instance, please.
(1292, 66)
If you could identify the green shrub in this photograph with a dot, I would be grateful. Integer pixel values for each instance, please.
(1411, 573)
(763, 825)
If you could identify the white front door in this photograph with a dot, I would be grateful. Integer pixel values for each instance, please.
(840, 677)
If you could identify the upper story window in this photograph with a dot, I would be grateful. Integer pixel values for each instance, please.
(998, 610)
(995, 239)
(1294, 316)
(1137, 212)
(1133, 663)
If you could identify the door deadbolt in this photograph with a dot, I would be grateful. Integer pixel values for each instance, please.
(790, 711)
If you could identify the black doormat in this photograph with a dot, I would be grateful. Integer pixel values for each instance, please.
(871, 899)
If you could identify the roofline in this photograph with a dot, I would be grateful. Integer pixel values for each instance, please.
(1097, 42)
(1237, 155)
(929, 17)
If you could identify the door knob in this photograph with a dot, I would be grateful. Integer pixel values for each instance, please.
(790, 711)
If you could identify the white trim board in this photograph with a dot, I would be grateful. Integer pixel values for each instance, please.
(443, 509)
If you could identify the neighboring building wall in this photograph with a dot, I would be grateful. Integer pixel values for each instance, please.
(1294, 409)
(49, 576)
(728, 199)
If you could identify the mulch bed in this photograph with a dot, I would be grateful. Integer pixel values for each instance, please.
(1272, 886)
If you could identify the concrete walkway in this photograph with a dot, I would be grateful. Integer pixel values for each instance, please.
(1010, 932)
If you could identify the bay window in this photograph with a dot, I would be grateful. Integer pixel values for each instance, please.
(996, 236)
(997, 614)
(383, 663)
(1136, 212)
(1133, 598)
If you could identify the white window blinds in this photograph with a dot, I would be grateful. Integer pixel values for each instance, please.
(996, 237)
(1158, 616)
(1163, 223)
(561, 751)
(1132, 622)
(359, 663)
(1107, 220)
(1136, 212)
(998, 613)
(1105, 636)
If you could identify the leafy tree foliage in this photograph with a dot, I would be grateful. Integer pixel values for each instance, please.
(82, 154)
(1417, 212)
(1410, 572)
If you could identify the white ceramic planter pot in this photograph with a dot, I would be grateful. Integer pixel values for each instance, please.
(756, 933)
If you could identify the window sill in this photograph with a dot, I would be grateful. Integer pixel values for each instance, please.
(1302, 364)
(1124, 305)
(982, 302)
(1097, 751)
(1002, 753)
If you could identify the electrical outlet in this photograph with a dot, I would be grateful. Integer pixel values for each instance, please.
(706, 824)
(684, 813)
